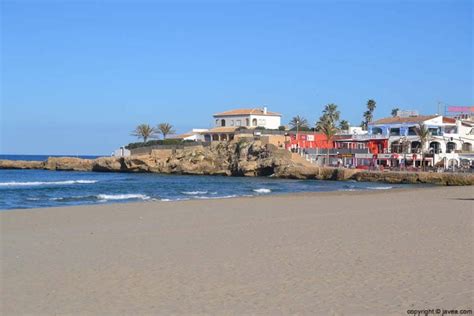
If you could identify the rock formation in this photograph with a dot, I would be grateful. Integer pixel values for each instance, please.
(237, 158)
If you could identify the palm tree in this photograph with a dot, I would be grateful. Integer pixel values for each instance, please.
(395, 112)
(371, 104)
(299, 122)
(344, 125)
(329, 130)
(367, 119)
(368, 115)
(165, 129)
(144, 131)
(330, 113)
(424, 134)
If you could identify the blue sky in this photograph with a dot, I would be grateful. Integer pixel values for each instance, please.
(77, 76)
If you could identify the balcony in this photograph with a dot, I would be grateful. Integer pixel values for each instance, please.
(369, 137)
(336, 151)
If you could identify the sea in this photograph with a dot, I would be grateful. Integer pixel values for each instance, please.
(23, 189)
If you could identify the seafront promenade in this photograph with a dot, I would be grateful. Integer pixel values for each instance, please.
(370, 253)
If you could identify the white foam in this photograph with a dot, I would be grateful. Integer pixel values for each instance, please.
(80, 197)
(194, 192)
(57, 199)
(200, 197)
(177, 199)
(262, 190)
(36, 183)
(108, 197)
(227, 196)
(381, 188)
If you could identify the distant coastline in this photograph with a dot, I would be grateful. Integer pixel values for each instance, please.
(43, 157)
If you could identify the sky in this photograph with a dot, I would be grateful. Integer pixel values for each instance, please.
(78, 76)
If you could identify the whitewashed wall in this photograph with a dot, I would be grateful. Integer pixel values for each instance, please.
(270, 122)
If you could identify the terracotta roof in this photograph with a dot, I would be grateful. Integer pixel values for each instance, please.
(400, 120)
(449, 120)
(256, 111)
(221, 130)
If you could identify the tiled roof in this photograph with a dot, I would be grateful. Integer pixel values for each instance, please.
(221, 130)
(401, 120)
(256, 111)
(449, 120)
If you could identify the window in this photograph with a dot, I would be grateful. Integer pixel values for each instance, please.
(467, 147)
(231, 122)
(254, 122)
(376, 131)
(247, 122)
(238, 122)
(412, 131)
(395, 131)
(450, 130)
(415, 147)
(217, 122)
(435, 147)
(222, 122)
(450, 147)
(434, 131)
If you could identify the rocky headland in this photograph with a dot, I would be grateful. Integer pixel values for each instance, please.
(237, 158)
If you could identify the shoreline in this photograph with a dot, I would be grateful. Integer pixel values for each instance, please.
(248, 159)
(371, 252)
(306, 194)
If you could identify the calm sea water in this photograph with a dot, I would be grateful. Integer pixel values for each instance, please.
(41, 157)
(43, 188)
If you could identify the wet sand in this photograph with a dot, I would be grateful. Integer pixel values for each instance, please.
(380, 253)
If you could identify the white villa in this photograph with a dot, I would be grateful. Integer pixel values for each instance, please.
(226, 123)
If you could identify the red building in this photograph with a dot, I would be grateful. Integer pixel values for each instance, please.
(375, 144)
(308, 140)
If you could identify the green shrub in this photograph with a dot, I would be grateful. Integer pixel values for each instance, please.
(156, 142)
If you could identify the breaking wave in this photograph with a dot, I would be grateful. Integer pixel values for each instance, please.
(37, 183)
(194, 192)
(381, 188)
(101, 197)
(262, 191)
(108, 197)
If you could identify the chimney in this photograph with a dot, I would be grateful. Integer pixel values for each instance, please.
(264, 110)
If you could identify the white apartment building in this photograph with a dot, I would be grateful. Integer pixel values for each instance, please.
(450, 139)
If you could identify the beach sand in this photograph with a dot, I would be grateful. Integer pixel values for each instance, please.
(380, 252)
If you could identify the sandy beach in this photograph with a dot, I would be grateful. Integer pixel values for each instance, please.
(380, 252)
